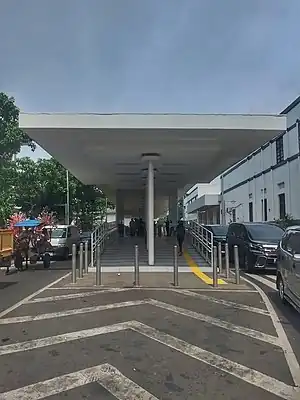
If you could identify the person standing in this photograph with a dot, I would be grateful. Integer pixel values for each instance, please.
(168, 226)
(180, 233)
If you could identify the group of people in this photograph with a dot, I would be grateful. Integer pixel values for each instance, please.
(137, 227)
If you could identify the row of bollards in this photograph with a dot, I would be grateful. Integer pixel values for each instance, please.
(83, 261)
(137, 267)
(218, 263)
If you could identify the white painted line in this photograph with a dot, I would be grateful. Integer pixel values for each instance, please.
(64, 338)
(153, 288)
(121, 387)
(271, 277)
(99, 289)
(262, 280)
(105, 289)
(62, 297)
(31, 296)
(240, 371)
(217, 322)
(182, 311)
(290, 356)
(223, 302)
(72, 312)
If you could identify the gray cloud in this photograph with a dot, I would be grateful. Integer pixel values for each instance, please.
(150, 55)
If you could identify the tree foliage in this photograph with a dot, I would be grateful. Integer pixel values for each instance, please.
(12, 138)
(43, 183)
(31, 185)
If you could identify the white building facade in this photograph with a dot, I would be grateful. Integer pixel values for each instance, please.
(201, 202)
(266, 185)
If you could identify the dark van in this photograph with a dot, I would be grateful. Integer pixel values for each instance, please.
(257, 243)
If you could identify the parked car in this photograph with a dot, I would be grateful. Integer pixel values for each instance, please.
(219, 234)
(257, 243)
(62, 239)
(288, 267)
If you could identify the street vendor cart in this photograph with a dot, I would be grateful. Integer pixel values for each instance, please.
(6, 248)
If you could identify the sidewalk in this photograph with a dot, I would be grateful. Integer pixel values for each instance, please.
(151, 280)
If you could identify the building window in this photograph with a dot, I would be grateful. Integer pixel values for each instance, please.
(234, 215)
(279, 150)
(250, 211)
(282, 211)
(265, 209)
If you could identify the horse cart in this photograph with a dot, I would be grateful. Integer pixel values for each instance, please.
(32, 245)
(6, 247)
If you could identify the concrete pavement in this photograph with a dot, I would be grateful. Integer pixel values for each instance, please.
(18, 285)
(128, 343)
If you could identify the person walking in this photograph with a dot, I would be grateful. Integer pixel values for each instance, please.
(180, 233)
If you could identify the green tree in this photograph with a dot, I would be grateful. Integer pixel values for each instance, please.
(43, 184)
(12, 138)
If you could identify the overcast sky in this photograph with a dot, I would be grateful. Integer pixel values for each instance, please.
(188, 56)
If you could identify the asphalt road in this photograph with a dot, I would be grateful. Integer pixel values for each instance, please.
(145, 344)
(18, 285)
(288, 316)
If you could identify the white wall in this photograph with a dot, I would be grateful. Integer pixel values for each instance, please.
(197, 191)
(282, 178)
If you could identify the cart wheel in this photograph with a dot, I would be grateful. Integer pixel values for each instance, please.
(19, 262)
(33, 260)
(46, 260)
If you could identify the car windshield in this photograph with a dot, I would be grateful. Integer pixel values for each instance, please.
(219, 230)
(265, 232)
(59, 233)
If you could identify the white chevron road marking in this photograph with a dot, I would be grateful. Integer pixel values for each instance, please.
(121, 387)
(261, 279)
(178, 310)
(242, 372)
(223, 302)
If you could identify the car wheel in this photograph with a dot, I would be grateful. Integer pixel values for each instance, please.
(281, 290)
(66, 254)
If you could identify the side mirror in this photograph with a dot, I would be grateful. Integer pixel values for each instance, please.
(69, 234)
(296, 257)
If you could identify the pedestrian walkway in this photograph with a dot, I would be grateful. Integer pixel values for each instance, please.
(120, 253)
(145, 344)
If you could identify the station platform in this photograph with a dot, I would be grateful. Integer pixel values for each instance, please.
(119, 256)
(118, 259)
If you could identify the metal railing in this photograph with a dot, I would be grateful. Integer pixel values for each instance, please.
(98, 238)
(202, 240)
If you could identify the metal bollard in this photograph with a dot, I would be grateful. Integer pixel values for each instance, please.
(98, 265)
(236, 264)
(175, 270)
(86, 257)
(227, 261)
(215, 271)
(74, 263)
(81, 260)
(136, 266)
(220, 257)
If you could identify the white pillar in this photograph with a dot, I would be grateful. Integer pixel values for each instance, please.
(150, 212)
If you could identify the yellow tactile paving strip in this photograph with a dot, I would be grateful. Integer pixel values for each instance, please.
(197, 270)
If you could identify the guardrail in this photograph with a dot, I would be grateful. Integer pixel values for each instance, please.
(202, 240)
(98, 238)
